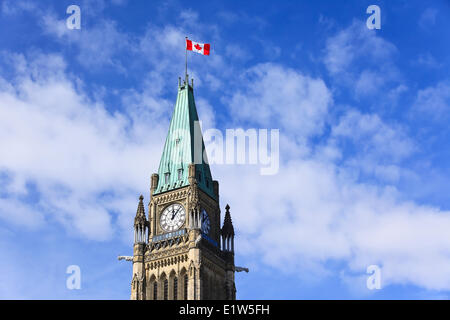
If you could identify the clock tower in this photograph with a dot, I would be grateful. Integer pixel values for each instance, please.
(180, 249)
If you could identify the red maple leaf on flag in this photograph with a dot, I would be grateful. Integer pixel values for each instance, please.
(197, 46)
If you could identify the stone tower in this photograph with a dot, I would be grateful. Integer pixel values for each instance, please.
(180, 250)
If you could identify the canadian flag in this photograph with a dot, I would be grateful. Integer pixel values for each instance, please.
(202, 48)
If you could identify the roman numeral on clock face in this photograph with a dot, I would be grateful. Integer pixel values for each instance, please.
(173, 217)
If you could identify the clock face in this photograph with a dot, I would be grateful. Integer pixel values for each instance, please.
(206, 225)
(173, 217)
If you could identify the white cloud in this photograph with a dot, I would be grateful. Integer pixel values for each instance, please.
(369, 82)
(395, 93)
(354, 42)
(160, 49)
(206, 114)
(237, 52)
(319, 211)
(189, 16)
(168, 60)
(72, 148)
(360, 59)
(428, 60)
(15, 7)
(272, 96)
(371, 147)
(18, 213)
(434, 101)
(313, 213)
(96, 46)
(373, 136)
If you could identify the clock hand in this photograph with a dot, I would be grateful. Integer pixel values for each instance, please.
(174, 213)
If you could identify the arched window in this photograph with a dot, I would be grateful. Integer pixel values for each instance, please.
(155, 290)
(175, 288)
(185, 287)
(166, 289)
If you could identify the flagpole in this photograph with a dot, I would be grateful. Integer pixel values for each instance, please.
(186, 58)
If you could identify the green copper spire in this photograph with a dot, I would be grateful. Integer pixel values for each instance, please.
(184, 145)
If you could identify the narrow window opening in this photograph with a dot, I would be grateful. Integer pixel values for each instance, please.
(166, 178)
(185, 287)
(166, 287)
(155, 291)
(175, 288)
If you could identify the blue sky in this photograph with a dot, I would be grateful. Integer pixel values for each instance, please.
(363, 118)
